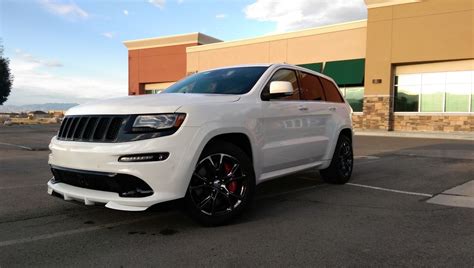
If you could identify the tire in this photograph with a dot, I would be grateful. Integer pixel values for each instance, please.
(340, 169)
(222, 185)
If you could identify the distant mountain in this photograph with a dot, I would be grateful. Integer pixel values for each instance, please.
(35, 107)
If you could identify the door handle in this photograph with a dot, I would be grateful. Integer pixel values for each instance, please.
(332, 109)
(303, 108)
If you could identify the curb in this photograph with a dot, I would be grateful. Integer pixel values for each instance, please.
(420, 135)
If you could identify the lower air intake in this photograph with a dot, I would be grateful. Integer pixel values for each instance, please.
(123, 184)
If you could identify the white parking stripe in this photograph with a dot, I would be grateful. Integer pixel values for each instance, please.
(70, 232)
(15, 145)
(368, 157)
(389, 190)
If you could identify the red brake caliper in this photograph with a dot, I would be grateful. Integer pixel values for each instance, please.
(231, 186)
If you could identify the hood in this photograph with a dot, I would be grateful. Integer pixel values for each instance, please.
(147, 104)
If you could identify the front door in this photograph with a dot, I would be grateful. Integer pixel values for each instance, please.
(287, 127)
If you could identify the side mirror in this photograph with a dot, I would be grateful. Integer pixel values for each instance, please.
(281, 88)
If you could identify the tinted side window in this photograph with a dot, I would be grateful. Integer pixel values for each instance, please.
(311, 88)
(283, 75)
(330, 91)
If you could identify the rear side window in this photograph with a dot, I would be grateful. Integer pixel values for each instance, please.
(283, 75)
(330, 91)
(311, 88)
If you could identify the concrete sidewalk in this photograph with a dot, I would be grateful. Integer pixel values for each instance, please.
(423, 135)
(459, 196)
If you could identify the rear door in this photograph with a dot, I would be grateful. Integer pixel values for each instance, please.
(318, 116)
(337, 107)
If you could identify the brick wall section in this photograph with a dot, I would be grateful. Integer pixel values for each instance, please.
(445, 123)
(377, 113)
(155, 65)
(357, 121)
(377, 116)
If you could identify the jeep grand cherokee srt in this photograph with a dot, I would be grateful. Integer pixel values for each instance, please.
(209, 138)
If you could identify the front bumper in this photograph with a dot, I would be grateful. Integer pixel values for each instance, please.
(168, 179)
(93, 197)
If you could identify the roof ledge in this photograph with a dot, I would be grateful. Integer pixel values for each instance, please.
(384, 3)
(172, 40)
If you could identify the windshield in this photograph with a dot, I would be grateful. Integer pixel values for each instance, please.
(237, 80)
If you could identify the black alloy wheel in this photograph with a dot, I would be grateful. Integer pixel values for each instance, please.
(342, 163)
(221, 186)
(346, 158)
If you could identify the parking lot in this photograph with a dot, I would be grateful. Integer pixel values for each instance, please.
(385, 217)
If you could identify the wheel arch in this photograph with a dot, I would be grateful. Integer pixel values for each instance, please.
(344, 130)
(239, 139)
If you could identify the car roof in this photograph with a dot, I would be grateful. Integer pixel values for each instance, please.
(239, 66)
(275, 66)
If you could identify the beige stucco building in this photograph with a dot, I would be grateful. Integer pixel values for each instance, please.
(409, 66)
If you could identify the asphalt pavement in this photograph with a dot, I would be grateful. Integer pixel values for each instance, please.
(382, 218)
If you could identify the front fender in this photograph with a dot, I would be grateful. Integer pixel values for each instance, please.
(212, 129)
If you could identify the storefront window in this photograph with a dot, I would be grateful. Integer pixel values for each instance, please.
(435, 92)
(472, 91)
(407, 98)
(457, 97)
(408, 79)
(432, 98)
(354, 96)
(458, 91)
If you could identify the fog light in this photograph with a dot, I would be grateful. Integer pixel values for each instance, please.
(144, 157)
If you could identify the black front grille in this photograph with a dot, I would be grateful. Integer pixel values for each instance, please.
(123, 184)
(91, 128)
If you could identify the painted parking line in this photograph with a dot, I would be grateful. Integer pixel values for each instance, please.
(368, 157)
(351, 184)
(18, 146)
(70, 232)
(389, 190)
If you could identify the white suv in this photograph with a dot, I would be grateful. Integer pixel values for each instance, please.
(210, 138)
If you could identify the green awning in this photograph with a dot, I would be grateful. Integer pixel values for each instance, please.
(317, 67)
(346, 72)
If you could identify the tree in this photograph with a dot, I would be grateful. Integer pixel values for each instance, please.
(6, 78)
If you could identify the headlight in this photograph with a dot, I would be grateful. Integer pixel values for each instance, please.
(156, 122)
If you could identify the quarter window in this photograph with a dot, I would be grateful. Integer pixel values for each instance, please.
(311, 88)
(330, 91)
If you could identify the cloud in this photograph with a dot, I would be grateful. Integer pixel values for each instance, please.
(300, 14)
(125, 12)
(221, 16)
(35, 82)
(66, 10)
(109, 35)
(29, 59)
(158, 3)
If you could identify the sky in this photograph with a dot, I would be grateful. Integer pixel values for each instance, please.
(72, 50)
